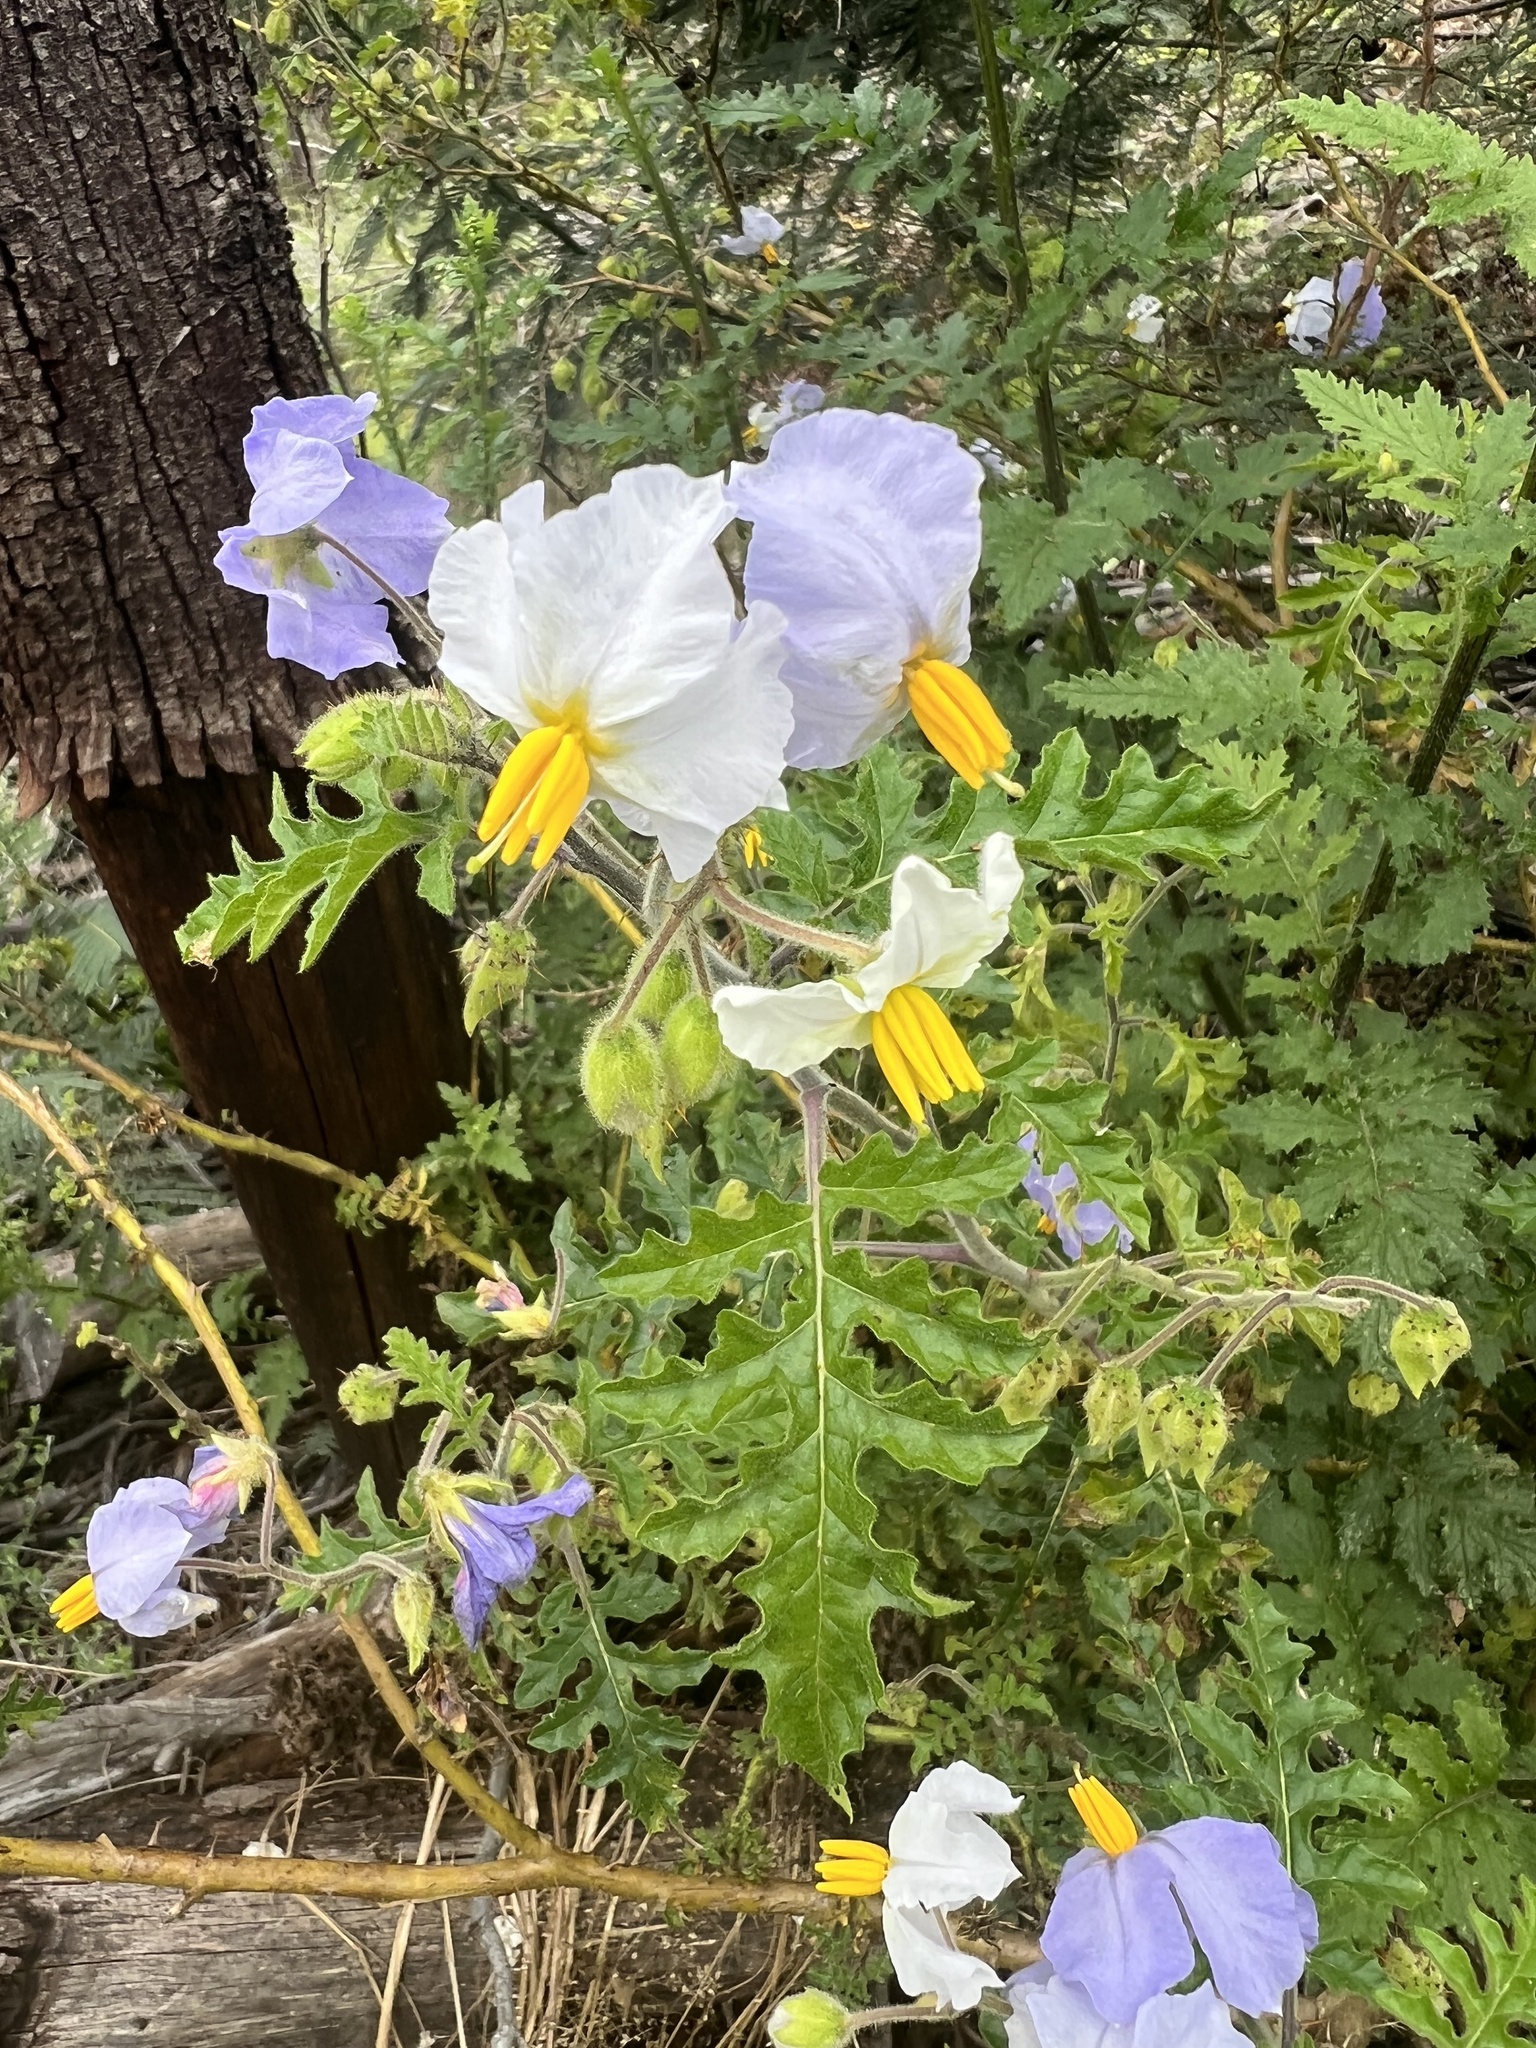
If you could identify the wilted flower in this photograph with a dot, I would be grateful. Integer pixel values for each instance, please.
(607, 637)
(1144, 321)
(941, 1854)
(490, 1539)
(1125, 1909)
(939, 936)
(136, 1545)
(1048, 2012)
(866, 533)
(1074, 1224)
(797, 400)
(311, 489)
(1308, 324)
(222, 1475)
(760, 235)
(503, 1299)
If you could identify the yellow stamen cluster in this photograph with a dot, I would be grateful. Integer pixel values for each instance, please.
(753, 852)
(538, 794)
(956, 719)
(920, 1052)
(1111, 1826)
(852, 1870)
(76, 1605)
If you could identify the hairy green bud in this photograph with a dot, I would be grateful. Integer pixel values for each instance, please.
(621, 1076)
(494, 963)
(669, 983)
(1111, 1402)
(1373, 1393)
(445, 88)
(369, 1393)
(277, 28)
(414, 1602)
(691, 1050)
(562, 374)
(382, 80)
(531, 1460)
(1426, 1342)
(1183, 1427)
(1411, 1970)
(1034, 1386)
(811, 2019)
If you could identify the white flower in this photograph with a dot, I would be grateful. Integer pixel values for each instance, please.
(866, 533)
(607, 637)
(760, 235)
(1309, 324)
(1048, 2012)
(1309, 321)
(941, 1854)
(996, 463)
(939, 936)
(1144, 320)
(797, 399)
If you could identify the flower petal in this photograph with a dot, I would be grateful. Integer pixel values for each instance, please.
(330, 416)
(134, 1544)
(1253, 1921)
(939, 934)
(782, 1030)
(944, 1853)
(1195, 2019)
(472, 599)
(1115, 1928)
(395, 525)
(169, 1606)
(925, 1960)
(295, 479)
(331, 637)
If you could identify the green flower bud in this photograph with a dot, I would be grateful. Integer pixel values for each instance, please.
(563, 374)
(494, 963)
(383, 80)
(1183, 1427)
(336, 745)
(277, 29)
(1426, 1342)
(669, 983)
(735, 1201)
(1111, 1402)
(369, 1393)
(621, 1075)
(1373, 1393)
(691, 1051)
(414, 1602)
(811, 2019)
(422, 69)
(445, 88)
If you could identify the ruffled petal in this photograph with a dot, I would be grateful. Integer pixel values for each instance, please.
(395, 525)
(296, 479)
(1048, 2012)
(1197, 2019)
(939, 934)
(943, 1853)
(331, 416)
(867, 536)
(134, 1544)
(1253, 1921)
(330, 637)
(926, 1961)
(169, 1607)
(782, 1030)
(472, 599)
(1115, 1928)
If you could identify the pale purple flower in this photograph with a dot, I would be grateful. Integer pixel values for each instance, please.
(797, 399)
(493, 1546)
(214, 1483)
(1120, 1925)
(1313, 309)
(1048, 2012)
(1074, 1223)
(310, 487)
(760, 235)
(136, 1545)
(866, 535)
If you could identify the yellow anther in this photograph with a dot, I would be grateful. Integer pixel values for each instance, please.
(76, 1605)
(770, 252)
(753, 851)
(1111, 1826)
(920, 1052)
(852, 1870)
(956, 719)
(538, 794)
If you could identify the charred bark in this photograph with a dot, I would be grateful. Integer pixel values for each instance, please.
(147, 302)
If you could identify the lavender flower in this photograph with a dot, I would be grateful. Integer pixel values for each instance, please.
(1313, 309)
(136, 1545)
(760, 235)
(1075, 1224)
(491, 1540)
(1048, 2012)
(797, 398)
(1120, 1925)
(310, 489)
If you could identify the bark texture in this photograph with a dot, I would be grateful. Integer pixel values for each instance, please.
(147, 303)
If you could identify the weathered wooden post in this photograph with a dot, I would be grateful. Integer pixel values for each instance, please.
(147, 302)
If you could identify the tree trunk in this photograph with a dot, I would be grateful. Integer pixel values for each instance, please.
(147, 302)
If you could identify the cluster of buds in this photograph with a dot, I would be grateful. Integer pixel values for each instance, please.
(653, 1056)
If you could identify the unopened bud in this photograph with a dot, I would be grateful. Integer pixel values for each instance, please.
(1373, 1393)
(1183, 1427)
(277, 28)
(811, 2019)
(669, 983)
(369, 1393)
(562, 374)
(336, 745)
(383, 80)
(494, 963)
(414, 1603)
(691, 1050)
(1111, 1403)
(621, 1075)
(445, 88)
(422, 69)
(1426, 1342)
